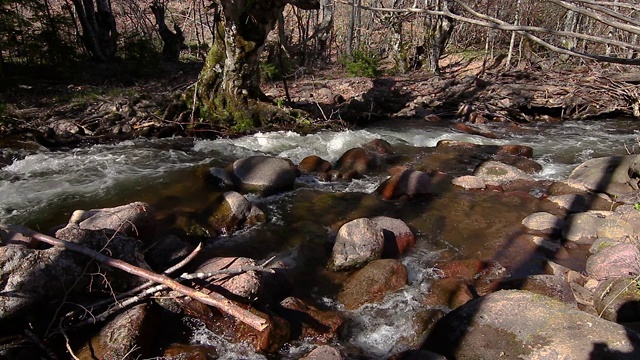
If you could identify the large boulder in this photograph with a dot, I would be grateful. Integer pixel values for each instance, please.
(398, 238)
(358, 242)
(136, 219)
(373, 282)
(516, 324)
(614, 261)
(606, 174)
(37, 278)
(582, 228)
(618, 299)
(357, 162)
(264, 175)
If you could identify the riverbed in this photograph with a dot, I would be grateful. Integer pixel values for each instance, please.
(41, 188)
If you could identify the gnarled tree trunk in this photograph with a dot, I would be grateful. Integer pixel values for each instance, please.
(228, 90)
(99, 33)
(173, 42)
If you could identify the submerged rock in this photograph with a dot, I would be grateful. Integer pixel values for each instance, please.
(373, 282)
(515, 324)
(409, 183)
(498, 173)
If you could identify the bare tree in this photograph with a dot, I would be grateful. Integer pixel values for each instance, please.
(99, 33)
(173, 42)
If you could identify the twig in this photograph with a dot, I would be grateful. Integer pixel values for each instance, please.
(134, 291)
(214, 299)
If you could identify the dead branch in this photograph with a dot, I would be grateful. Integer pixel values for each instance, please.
(488, 21)
(213, 299)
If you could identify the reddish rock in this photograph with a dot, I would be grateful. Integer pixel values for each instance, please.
(518, 150)
(398, 238)
(473, 130)
(372, 283)
(358, 160)
(411, 183)
(314, 164)
(469, 182)
(471, 269)
(379, 146)
(310, 323)
(615, 261)
(449, 292)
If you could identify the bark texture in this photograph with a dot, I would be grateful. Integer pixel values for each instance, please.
(228, 88)
(99, 33)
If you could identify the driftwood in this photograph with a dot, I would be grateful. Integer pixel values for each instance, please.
(213, 299)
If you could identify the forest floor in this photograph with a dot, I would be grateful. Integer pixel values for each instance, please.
(106, 103)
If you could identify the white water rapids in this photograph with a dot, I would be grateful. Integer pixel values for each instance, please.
(46, 184)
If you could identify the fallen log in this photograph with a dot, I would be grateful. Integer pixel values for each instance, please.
(213, 299)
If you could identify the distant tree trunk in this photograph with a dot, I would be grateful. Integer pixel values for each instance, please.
(228, 88)
(440, 31)
(3, 76)
(399, 54)
(173, 42)
(354, 26)
(99, 33)
(323, 29)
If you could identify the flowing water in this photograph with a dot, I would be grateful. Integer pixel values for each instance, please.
(40, 189)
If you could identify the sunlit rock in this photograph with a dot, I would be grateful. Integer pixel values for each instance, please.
(243, 286)
(469, 182)
(614, 261)
(314, 164)
(498, 173)
(606, 174)
(398, 238)
(264, 175)
(523, 325)
(130, 334)
(543, 223)
(618, 299)
(358, 242)
(232, 212)
(372, 283)
(582, 228)
(357, 161)
(137, 219)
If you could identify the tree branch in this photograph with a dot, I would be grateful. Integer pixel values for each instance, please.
(216, 300)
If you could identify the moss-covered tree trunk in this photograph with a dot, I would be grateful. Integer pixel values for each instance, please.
(228, 90)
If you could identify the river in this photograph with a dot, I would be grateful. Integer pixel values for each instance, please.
(41, 188)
